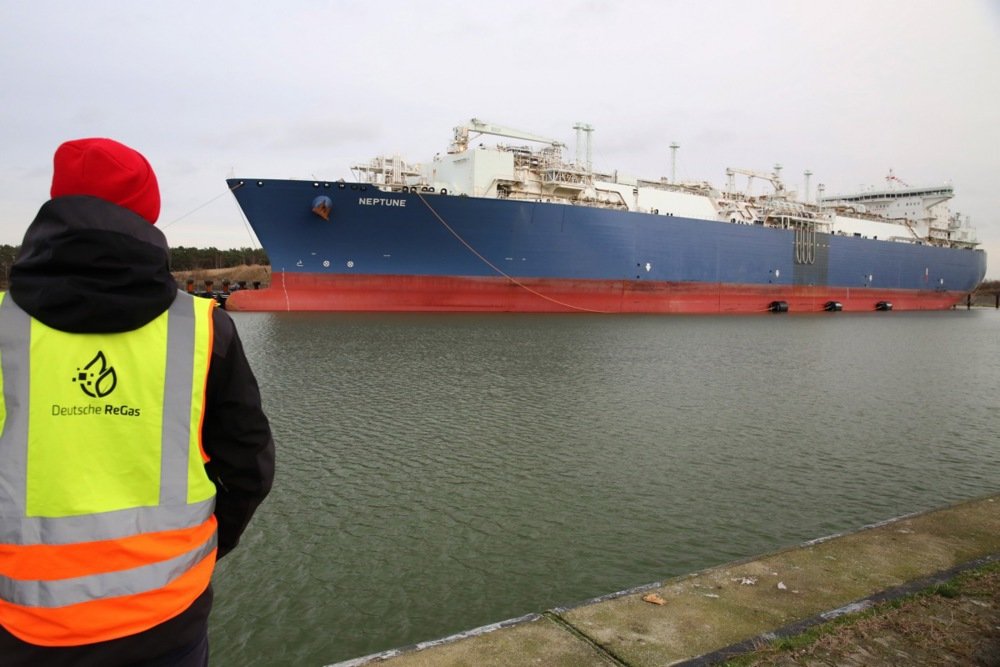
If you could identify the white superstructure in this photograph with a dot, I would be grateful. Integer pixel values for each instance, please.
(540, 173)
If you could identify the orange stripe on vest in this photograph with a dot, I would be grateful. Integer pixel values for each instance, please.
(48, 562)
(101, 620)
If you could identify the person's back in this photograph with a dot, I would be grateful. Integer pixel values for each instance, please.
(133, 449)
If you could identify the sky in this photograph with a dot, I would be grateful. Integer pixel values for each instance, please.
(208, 90)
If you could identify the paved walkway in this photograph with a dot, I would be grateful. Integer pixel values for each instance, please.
(701, 618)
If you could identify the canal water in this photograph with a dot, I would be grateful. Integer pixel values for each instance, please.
(441, 472)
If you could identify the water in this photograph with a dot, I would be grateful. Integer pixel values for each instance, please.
(441, 472)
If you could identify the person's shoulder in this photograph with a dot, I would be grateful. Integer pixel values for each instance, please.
(224, 329)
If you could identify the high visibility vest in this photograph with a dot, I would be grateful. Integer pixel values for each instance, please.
(106, 511)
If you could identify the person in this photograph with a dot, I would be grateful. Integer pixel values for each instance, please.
(133, 445)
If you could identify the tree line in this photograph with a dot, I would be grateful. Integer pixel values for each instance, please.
(181, 259)
(192, 259)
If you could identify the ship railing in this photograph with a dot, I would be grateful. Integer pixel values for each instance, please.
(524, 156)
(388, 170)
(780, 204)
(692, 188)
(565, 177)
(852, 212)
(786, 221)
(562, 198)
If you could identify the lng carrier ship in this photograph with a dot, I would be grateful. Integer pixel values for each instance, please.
(523, 228)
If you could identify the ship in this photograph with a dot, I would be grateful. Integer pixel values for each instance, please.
(509, 221)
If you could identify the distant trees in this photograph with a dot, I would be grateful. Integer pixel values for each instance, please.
(988, 287)
(192, 259)
(181, 259)
(7, 255)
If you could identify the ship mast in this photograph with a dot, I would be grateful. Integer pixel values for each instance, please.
(583, 127)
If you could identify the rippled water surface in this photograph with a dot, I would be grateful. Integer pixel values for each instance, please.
(441, 472)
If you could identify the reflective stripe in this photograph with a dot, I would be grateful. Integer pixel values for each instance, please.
(104, 526)
(173, 511)
(15, 336)
(177, 402)
(63, 592)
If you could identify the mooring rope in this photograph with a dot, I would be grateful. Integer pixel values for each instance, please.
(246, 223)
(437, 216)
(498, 269)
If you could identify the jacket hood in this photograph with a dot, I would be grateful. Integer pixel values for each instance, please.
(90, 266)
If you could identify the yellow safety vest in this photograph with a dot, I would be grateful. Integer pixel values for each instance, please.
(106, 511)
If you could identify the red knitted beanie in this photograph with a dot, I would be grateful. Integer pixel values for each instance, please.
(109, 170)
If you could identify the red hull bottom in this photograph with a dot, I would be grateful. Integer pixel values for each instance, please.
(317, 292)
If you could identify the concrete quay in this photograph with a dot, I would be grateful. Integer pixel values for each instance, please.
(701, 618)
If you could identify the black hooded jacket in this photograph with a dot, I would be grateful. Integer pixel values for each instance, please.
(89, 266)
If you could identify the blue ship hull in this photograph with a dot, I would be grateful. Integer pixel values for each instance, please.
(432, 251)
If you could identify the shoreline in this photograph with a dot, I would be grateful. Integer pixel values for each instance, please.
(756, 610)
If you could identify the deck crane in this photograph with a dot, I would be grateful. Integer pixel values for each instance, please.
(461, 140)
(773, 178)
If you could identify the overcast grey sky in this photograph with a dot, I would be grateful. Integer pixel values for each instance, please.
(207, 90)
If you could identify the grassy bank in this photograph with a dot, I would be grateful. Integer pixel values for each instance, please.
(954, 623)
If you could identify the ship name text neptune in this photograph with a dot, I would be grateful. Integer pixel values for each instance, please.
(380, 201)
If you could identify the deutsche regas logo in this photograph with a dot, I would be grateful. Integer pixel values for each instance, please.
(97, 379)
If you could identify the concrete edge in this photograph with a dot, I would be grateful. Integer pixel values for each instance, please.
(750, 559)
(420, 646)
(714, 657)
